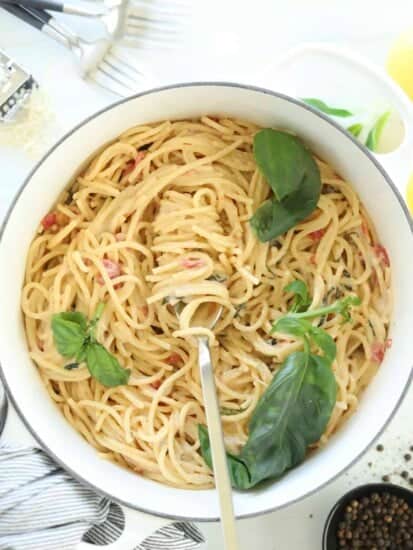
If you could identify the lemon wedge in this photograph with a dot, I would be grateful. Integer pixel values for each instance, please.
(400, 62)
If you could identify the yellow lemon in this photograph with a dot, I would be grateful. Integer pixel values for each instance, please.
(409, 194)
(400, 62)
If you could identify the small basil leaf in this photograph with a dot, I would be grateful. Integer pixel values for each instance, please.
(355, 129)
(324, 108)
(325, 342)
(69, 332)
(105, 367)
(290, 325)
(282, 159)
(375, 133)
(238, 471)
(302, 297)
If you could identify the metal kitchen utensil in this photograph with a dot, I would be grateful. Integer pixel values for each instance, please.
(99, 60)
(206, 317)
(122, 18)
(16, 86)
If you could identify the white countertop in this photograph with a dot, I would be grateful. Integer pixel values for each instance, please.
(230, 40)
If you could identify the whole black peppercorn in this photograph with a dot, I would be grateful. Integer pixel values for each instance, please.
(378, 520)
(380, 448)
(405, 475)
(407, 457)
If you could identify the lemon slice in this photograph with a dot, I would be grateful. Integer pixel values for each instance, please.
(400, 62)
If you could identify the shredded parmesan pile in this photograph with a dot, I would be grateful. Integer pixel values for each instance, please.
(31, 127)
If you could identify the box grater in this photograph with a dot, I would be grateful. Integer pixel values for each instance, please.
(16, 86)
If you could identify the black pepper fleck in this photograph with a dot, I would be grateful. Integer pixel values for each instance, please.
(380, 448)
(407, 457)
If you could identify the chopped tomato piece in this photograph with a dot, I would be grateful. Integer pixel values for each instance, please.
(112, 269)
(132, 164)
(49, 220)
(174, 359)
(377, 352)
(144, 310)
(382, 255)
(190, 263)
(317, 235)
(156, 385)
(365, 229)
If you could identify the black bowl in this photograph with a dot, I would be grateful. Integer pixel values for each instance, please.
(336, 514)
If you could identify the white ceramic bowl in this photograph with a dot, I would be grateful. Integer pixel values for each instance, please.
(42, 187)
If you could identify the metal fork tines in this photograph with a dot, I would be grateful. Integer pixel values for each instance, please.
(117, 73)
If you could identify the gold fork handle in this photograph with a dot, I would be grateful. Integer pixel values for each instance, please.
(222, 479)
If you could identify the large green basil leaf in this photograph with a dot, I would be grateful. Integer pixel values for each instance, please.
(294, 177)
(282, 159)
(292, 414)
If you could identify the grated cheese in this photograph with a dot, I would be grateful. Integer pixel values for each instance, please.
(31, 127)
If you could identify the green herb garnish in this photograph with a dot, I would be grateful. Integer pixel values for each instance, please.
(324, 108)
(302, 297)
(227, 411)
(355, 129)
(294, 178)
(294, 410)
(74, 337)
(375, 133)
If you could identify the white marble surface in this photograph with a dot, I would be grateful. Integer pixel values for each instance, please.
(231, 40)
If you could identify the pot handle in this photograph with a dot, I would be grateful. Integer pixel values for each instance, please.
(138, 526)
(346, 72)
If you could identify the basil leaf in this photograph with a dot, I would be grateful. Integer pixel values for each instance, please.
(375, 133)
(105, 367)
(290, 325)
(324, 108)
(294, 177)
(238, 471)
(291, 415)
(281, 158)
(302, 297)
(69, 332)
(355, 129)
(325, 342)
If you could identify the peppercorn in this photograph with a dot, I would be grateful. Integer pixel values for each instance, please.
(407, 457)
(386, 479)
(379, 520)
(405, 475)
(380, 448)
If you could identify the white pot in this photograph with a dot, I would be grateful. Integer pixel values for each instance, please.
(266, 108)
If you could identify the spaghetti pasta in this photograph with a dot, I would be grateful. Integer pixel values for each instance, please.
(163, 213)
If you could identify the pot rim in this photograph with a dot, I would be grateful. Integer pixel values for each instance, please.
(114, 105)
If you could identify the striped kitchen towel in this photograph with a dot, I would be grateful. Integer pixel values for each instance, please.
(43, 508)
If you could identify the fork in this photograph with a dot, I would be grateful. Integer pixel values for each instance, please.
(100, 60)
(124, 19)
